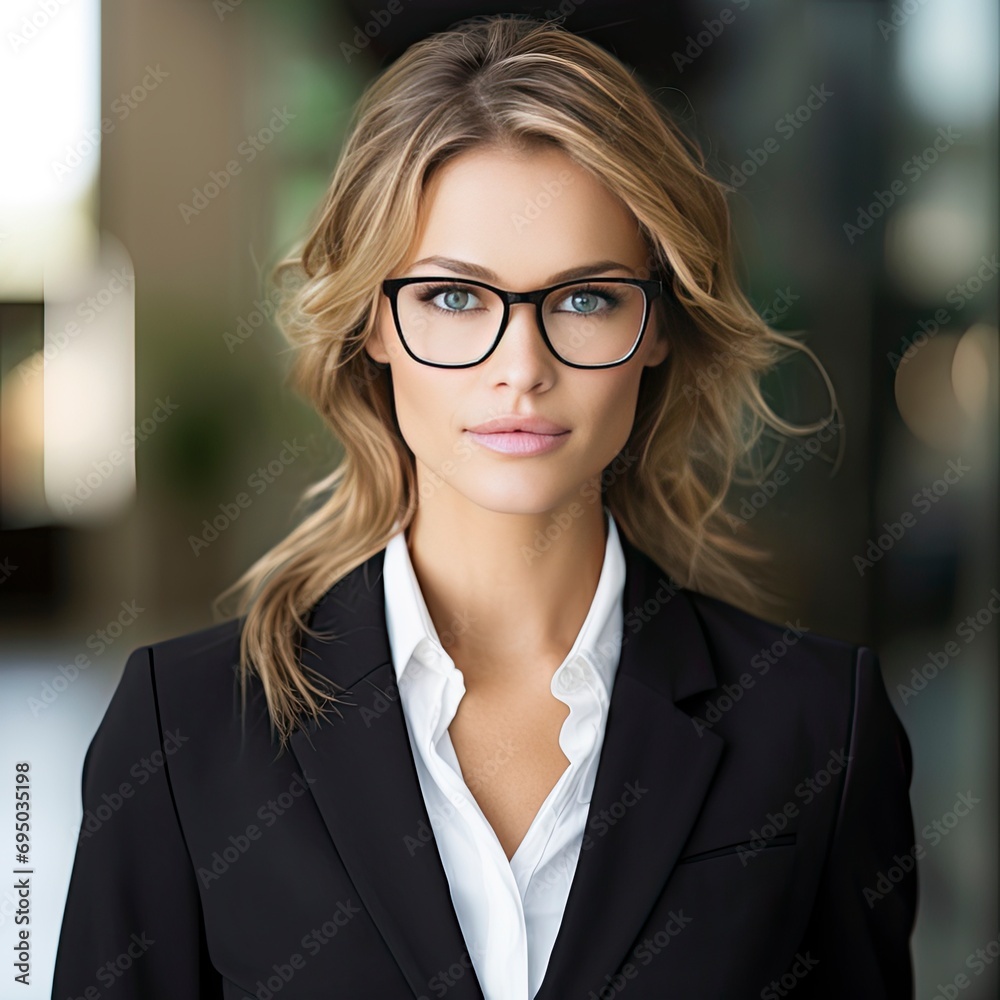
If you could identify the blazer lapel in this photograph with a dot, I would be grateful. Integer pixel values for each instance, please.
(366, 787)
(653, 774)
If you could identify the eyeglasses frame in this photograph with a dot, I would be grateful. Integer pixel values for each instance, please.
(652, 288)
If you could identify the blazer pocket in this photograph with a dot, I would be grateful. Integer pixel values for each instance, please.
(751, 846)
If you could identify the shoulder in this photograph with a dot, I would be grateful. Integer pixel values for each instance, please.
(168, 691)
(791, 670)
(785, 692)
(741, 640)
(202, 646)
(189, 677)
(193, 660)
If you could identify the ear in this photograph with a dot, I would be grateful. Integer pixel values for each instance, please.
(374, 347)
(662, 349)
(658, 348)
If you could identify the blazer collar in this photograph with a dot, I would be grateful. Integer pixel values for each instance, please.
(366, 787)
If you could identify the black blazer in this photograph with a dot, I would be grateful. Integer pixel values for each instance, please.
(749, 832)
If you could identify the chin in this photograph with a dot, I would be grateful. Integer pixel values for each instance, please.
(507, 496)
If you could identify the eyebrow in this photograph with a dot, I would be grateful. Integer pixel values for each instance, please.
(485, 274)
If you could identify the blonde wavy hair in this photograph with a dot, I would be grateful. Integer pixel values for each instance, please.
(512, 82)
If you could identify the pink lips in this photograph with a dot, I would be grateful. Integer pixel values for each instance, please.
(514, 435)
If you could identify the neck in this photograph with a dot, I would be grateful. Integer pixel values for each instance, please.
(508, 593)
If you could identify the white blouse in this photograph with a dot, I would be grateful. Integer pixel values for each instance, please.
(509, 911)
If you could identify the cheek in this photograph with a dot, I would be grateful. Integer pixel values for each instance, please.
(613, 411)
(423, 408)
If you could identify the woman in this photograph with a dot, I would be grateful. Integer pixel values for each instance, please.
(510, 725)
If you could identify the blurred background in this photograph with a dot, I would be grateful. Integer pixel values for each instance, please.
(157, 158)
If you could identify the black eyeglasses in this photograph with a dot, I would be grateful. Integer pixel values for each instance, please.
(449, 322)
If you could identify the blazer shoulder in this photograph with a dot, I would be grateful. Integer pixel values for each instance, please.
(199, 652)
(812, 682)
(204, 641)
(743, 641)
(202, 660)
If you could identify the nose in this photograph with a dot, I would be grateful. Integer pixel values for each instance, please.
(522, 344)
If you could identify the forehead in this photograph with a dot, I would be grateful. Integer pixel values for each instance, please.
(525, 215)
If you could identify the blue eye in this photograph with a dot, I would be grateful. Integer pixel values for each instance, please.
(455, 297)
(595, 296)
(577, 297)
